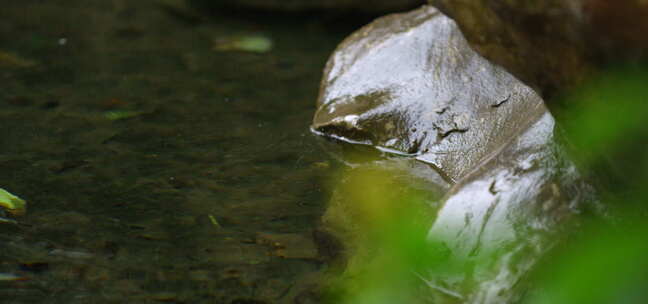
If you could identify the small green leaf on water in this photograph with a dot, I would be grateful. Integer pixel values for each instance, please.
(121, 114)
(10, 277)
(214, 222)
(12, 60)
(12, 203)
(251, 43)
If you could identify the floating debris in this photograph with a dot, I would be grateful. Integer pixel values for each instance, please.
(251, 43)
(321, 165)
(13, 204)
(7, 277)
(121, 114)
(71, 254)
(12, 60)
(214, 222)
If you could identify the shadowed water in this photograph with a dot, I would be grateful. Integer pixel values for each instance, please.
(157, 166)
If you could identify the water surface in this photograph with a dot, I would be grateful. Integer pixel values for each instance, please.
(156, 168)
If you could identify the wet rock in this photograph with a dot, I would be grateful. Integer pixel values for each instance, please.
(411, 86)
(540, 42)
(509, 212)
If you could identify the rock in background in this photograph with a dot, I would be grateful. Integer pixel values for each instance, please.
(371, 6)
(540, 42)
(618, 28)
(552, 45)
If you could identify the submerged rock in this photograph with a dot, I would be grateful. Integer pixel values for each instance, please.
(410, 85)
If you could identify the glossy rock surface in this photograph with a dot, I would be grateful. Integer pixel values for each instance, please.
(410, 85)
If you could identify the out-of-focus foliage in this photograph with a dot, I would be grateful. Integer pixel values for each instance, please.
(607, 265)
(604, 261)
(606, 131)
(389, 252)
(606, 124)
(12, 203)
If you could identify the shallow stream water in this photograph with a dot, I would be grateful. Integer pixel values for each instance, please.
(156, 168)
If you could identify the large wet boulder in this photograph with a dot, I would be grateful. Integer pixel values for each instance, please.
(410, 86)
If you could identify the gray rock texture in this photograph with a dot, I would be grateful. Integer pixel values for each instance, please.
(411, 86)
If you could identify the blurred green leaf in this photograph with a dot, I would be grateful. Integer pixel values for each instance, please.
(604, 260)
(602, 267)
(121, 114)
(12, 203)
(246, 43)
(606, 124)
